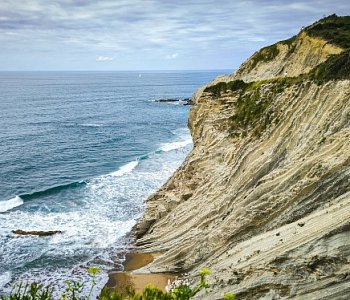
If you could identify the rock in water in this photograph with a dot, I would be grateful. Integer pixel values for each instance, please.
(38, 233)
(167, 100)
(185, 101)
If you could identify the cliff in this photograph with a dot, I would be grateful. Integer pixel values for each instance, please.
(263, 199)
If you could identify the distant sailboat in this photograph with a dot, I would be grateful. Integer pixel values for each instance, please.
(140, 75)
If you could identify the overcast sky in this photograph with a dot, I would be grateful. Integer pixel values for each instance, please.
(148, 34)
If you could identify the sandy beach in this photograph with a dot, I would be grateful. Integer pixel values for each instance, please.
(131, 278)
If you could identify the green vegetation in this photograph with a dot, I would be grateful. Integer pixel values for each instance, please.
(290, 41)
(252, 104)
(251, 107)
(74, 291)
(291, 45)
(222, 87)
(265, 54)
(333, 29)
(336, 67)
(31, 291)
(229, 296)
(270, 52)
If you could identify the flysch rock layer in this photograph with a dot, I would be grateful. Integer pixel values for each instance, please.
(266, 207)
(294, 57)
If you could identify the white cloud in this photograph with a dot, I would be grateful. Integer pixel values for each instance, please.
(192, 33)
(104, 58)
(172, 56)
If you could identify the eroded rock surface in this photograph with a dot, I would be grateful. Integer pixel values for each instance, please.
(38, 233)
(263, 200)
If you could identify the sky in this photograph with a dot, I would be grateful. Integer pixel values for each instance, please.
(148, 34)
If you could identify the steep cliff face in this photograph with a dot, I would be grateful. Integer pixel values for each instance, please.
(291, 58)
(295, 56)
(263, 200)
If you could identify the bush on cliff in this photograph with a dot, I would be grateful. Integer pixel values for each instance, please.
(35, 291)
(333, 29)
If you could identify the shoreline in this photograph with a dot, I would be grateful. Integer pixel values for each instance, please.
(130, 277)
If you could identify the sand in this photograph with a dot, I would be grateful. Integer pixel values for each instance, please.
(119, 281)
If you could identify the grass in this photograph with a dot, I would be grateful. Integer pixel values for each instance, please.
(265, 54)
(336, 67)
(251, 107)
(74, 290)
(229, 296)
(333, 29)
(222, 87)
(270, 52)
(251, 112)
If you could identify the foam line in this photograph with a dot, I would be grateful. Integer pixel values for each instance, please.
(9, 204)
(4, 279)
(175, 145)
(125, 169)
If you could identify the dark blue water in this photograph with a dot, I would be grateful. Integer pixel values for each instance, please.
(80, 152)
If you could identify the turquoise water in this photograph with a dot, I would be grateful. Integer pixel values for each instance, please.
(80, 152)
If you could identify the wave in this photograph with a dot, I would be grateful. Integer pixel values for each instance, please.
(112, 202)
(19, 200)
(129, 167)
(166, 147)
(52, 190)
(123, 170)
(91, 125)
(9, 204)
(182, 132)
(4, 279)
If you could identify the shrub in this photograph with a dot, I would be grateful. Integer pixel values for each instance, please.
(333, 29)
(229, 296)
(73, 291)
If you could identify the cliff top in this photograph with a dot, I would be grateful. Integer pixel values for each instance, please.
(299, 54)
(334, 29)
(320, 50)
(263, 199)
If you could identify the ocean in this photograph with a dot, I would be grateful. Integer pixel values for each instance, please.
(80, 152)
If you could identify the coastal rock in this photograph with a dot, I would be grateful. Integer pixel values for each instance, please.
(167, 100)
(38, 233)
(186, 101)
(289, 58)
(263, 199)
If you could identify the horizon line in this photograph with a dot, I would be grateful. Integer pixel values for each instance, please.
(145, 70)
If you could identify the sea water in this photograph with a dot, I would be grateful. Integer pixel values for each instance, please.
(80, 152)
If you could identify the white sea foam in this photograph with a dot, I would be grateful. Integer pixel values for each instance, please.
(91, 125)
(4, 279)
(182, 131)
(9, 204)
(166, 147)
(125, 169)
(94, 230)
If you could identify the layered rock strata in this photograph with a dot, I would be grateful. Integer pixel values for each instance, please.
(263, 199)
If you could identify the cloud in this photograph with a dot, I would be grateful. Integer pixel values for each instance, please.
(172, 56)
(104, 58)
(142, 31)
